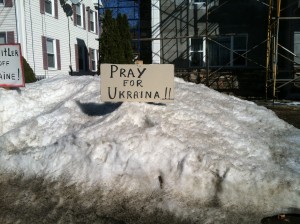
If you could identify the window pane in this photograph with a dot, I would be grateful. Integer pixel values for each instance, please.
(196, 45)
(213, 54)
(48, 6)
(93, 60)
(81, 57)
(224, 52)
(237, 59)
(51, 61)
(78, 15)
(239, 42)
(224, 57)
(50, 47)
(297, 47)
(2, 38)
(199, 1)
(196, 59)
(92, 21)
(1, 2)
(78, 11)
(225, 41)
(78, 20)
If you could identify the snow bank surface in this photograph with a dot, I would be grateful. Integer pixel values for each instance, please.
(206, 158)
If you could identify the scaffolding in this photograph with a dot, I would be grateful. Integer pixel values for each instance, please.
(272, 50)
(172, 29)
(176, 32)
(172, 34)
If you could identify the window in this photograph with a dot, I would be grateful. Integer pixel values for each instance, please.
(196, 52)
(93, 55)
(78, 15)
(2, 38)
(297, 48)
(240, 48)
(7, 37)
(49, 5)
(199, 1)
(92, 21)
(201, 4)
(227, 51)
(51, 53)
(1, 2)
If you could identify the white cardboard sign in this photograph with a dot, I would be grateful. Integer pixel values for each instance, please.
(11, 66)
(137, 82)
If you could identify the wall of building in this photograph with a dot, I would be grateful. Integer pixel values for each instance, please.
(30, 24)
(7, 19)
(62, 29)
(289, 38)
(182, 18)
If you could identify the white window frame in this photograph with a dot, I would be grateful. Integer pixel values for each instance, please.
(199, 3)
(200, 51)
(54, 53)
(240, 51)
(92, 20)
(81, 15)
(52, 8)
(231, 53)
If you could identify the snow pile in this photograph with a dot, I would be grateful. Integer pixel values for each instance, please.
(206, 158)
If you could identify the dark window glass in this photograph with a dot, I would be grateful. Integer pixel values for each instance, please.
(48, 6)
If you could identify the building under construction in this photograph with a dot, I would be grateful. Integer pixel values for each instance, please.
(250, 47)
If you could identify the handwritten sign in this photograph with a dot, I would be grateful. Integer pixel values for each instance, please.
(11, 66)
(137, 82)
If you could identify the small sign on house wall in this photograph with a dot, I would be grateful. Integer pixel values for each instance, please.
(11, 66)
(137, 83)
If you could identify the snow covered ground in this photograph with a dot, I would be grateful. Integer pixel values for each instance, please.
(206, 158)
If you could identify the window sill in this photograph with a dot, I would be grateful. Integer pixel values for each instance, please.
(50, 15)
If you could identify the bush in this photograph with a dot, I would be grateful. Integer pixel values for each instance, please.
(28, 72)
(115, 41)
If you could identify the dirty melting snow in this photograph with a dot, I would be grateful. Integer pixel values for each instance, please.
(203, 155)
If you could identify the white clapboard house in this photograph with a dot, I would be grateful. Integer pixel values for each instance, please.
(57, 37)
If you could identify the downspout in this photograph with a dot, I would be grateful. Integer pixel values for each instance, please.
(32, 42)
(206, 45)
(139, 29)
(275, 65)
(268, 49)
(99, 36)
(16, 16)
(70, 52)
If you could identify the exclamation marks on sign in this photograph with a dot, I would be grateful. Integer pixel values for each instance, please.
(168, 93)
(18, 74)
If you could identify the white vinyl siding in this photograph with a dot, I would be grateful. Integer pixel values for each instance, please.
(57, 29)
(8, 20)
